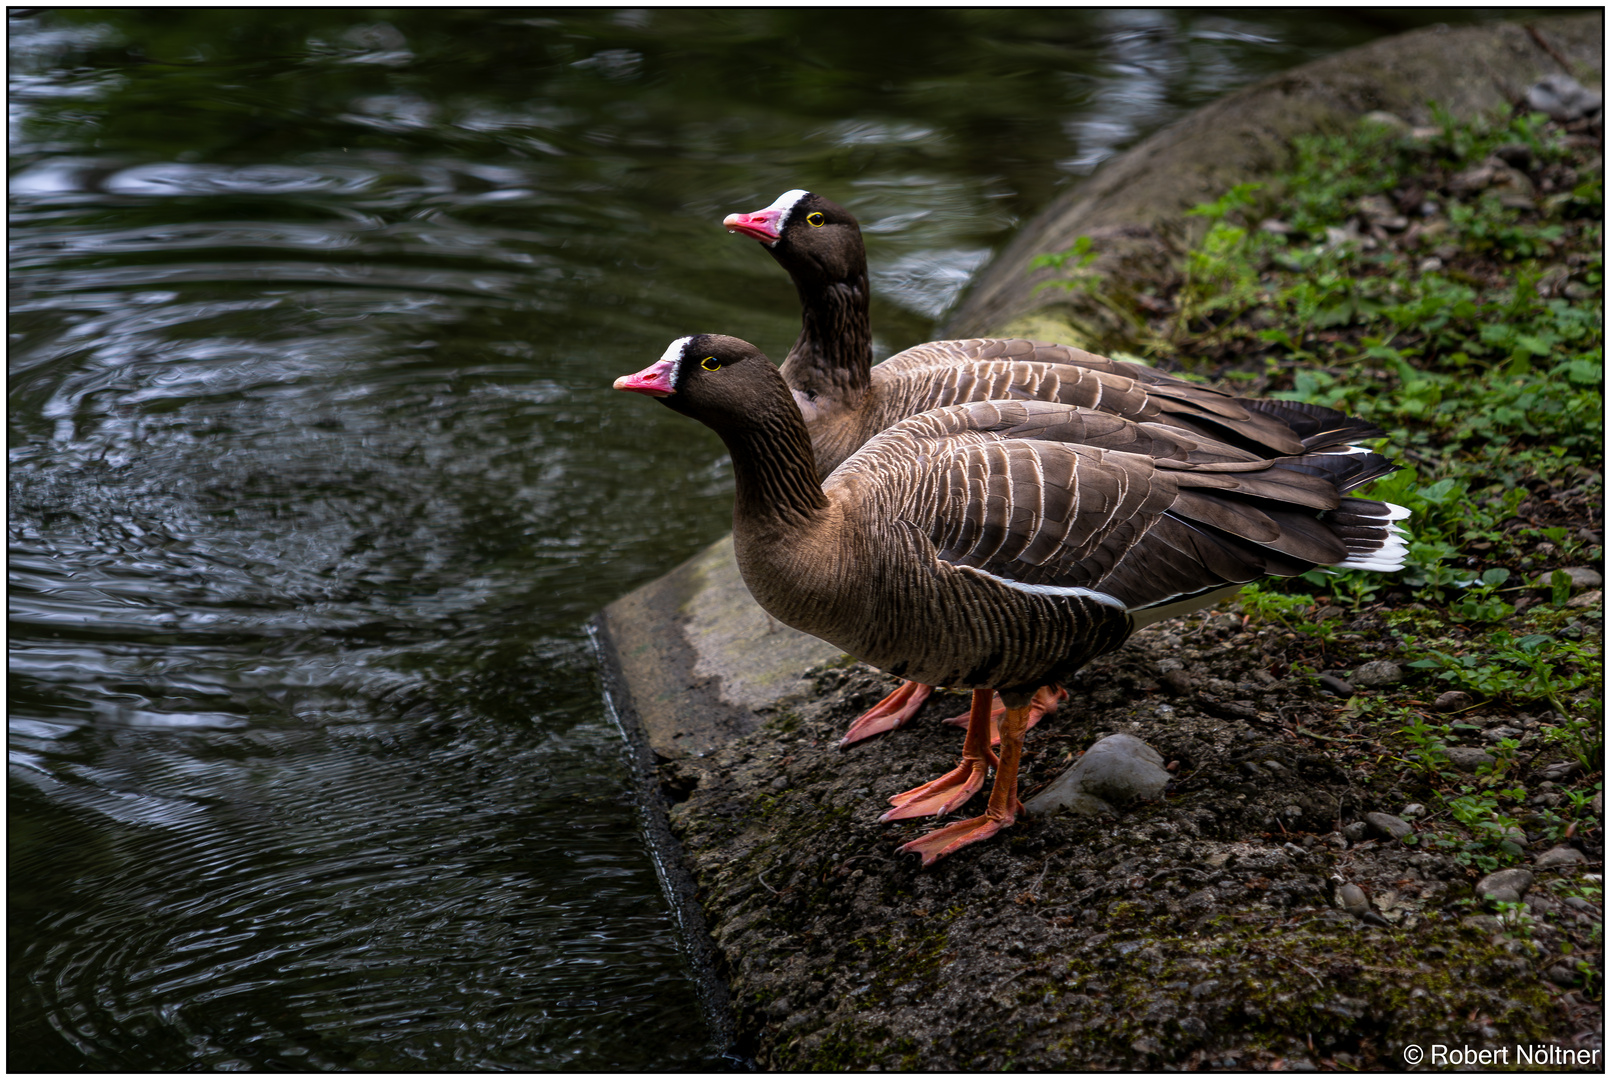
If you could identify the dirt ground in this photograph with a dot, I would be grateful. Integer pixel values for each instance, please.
(1205, 930)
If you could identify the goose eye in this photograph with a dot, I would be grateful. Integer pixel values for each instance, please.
(710, 363)
(815, 219)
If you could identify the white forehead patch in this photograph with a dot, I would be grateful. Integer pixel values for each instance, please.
(784, 204)
(673, 356)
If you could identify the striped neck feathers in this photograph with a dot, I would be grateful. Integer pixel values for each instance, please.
(834, 354)
(774, 467)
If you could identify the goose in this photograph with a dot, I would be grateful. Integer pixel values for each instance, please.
(1002, 545)
(846, 399)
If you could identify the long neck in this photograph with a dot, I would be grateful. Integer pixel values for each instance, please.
(834, 353)
(774, 469)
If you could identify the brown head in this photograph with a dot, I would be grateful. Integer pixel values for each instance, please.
(816, 240)
(723, 382)
(732, 388)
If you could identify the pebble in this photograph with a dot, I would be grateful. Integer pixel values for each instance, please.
(1385, 119)
(1117, 769)
(1561, 975)
(1508, 886)
(1388, 826)
(1413, 810)
(1467, 758)
(1579, 904)
(1354, 831)
(1353, 899)
(1485, 923)
(1562, 97)
(1452, 701)
(1592, 598)
(1378, 673)
(1564, 855)
(1179, 681)
(1335, 685)
(1583, 577)
(1561, 770)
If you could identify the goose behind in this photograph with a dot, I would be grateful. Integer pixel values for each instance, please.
(1003, 545)
(847, 400)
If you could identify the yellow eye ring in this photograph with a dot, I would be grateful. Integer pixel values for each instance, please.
(815, 219)
(710, 363)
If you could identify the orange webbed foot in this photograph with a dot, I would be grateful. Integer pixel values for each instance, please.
(938, 796)
(959, 834)
(896, 709)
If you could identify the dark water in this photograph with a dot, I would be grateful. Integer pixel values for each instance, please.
(315, 474)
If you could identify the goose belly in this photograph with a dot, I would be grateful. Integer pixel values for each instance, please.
(972, 632)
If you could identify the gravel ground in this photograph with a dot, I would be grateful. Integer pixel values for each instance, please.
(1209, 929)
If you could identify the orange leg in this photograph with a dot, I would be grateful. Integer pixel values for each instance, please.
(957, 786)
(1003, 807)
(1047, 698)
(896, 709)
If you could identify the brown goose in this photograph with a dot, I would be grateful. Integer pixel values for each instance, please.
(1004, 544)
(846, 399)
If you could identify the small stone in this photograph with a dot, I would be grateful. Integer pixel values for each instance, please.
(1336, 686)
(1467, 758)
(1487, 924)
(1353, 899)
(1577, 903)
(1354, 831)
(1592, 598)
(1337, 236)
(1178, 681)
(1452, 701)
(1117, 769)
(1561, 975)
(1382, 118)
(1430, 264)
(1378, 673)
(1472, 179)
(1388, 826)
(1563, 855)
(1378, 211)
(1413, 810)
(1506, 885)
(1562, 97)
(1277, 228)
(1583, 577)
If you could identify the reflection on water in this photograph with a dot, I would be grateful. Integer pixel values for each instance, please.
(315, 474)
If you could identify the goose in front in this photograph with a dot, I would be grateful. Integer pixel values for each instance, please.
(846, 399)
(1002, 545)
